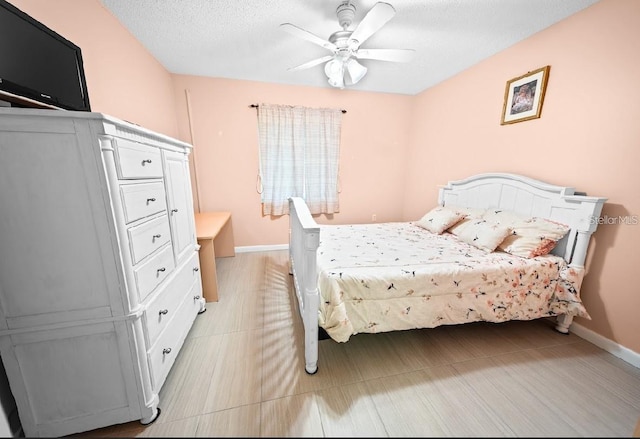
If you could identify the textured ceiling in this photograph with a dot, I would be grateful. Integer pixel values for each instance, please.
(241, 39)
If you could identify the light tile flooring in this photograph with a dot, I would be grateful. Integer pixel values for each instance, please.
(241, 373)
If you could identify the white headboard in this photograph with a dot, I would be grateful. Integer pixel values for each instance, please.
(531, 197)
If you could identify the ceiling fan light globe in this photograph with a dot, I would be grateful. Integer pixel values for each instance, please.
(356, 70)
(334, 70)
(337, 82)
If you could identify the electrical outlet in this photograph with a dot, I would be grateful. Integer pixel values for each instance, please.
(373, 217)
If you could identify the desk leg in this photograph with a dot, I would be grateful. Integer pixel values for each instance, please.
(225, 245)
(208, 270)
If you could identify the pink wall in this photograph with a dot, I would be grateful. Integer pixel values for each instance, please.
(374, 139)
(587, 137)
(123, 79)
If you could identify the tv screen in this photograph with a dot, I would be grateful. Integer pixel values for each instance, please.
(38, 64)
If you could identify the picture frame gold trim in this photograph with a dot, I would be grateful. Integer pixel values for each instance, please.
(524, 95)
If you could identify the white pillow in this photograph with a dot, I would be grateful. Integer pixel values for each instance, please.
(530, 237)
(480, 233)
(471, 212)
(439, 219)
(535, 237)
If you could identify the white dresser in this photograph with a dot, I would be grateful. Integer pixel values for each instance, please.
(99, 268)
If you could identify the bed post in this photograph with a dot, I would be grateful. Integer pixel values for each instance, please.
(304, 239)
(576, 251)
(311, 303)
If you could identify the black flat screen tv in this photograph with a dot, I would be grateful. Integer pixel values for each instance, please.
(37, 65)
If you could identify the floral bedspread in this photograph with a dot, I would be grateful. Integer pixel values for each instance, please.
(395, 276)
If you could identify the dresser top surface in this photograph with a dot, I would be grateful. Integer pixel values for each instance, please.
(106, 120)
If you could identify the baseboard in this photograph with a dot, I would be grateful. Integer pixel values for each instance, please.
(261, 248)
(610, 346)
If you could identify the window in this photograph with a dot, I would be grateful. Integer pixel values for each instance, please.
(299, 157)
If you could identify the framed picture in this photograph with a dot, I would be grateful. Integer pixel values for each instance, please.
(524, 95)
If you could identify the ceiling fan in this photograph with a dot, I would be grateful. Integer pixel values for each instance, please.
(345, 44)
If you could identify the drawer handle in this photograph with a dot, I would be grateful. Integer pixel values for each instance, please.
(166, 351)
(157, 236)
(150, 199)
(196, 269)
(146, 161)
(196, 297)
(161, 269)
(163, 311)
(174, 210)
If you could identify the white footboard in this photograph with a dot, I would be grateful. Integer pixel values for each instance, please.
(304, 238)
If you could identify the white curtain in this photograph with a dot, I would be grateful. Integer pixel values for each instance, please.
(299, 156)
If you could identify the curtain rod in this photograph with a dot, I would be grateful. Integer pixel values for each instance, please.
(256, 106)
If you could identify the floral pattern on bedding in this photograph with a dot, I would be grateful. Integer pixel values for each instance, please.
(397, 276)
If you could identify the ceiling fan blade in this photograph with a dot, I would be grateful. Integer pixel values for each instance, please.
(312, 63)
(306, 35)
(377, 17)
(394, 55)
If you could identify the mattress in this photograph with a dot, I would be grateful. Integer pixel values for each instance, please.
(397, 276)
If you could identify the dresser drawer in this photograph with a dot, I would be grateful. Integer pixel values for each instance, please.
(150, 273)
(164, 352)
(136, 160)
(142, 199)
(146, 238)
(162, 309)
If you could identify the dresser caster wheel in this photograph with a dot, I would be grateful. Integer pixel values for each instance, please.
(152, 419)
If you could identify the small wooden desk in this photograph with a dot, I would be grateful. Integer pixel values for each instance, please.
(215, 237)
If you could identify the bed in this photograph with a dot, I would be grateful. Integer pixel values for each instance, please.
(380, 277)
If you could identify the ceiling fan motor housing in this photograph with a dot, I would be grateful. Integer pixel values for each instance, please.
(341, 39)
(346, 13)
